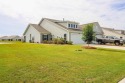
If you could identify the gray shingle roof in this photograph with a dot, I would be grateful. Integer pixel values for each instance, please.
(111, 30)
(4, 37)
(83, 25)
(11, 37)
(40, 29)
(108, 28)
(69, 29)
(60, 21)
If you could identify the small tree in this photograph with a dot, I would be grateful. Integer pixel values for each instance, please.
(88, 33)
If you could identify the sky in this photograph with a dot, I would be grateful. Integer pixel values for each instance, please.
(15, 15)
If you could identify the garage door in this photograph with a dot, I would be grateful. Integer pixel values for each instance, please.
(76, 38)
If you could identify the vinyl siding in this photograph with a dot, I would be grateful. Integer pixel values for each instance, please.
(34, 33)
(56, 31)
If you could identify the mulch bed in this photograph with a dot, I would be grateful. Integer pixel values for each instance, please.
(89, 47)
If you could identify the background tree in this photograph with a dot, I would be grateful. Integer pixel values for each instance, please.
(88, 33)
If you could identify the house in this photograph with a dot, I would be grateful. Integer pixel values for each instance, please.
(3, 38)
(11, 38)
(96, 28)
(14, 38)
(120, 31)
(112, 32)
(47, 29)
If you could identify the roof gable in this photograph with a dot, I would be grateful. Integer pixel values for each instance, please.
(112, 31)
(38, 28)
(60, 26)
(59, 21)
(94, 24)
(11, 37)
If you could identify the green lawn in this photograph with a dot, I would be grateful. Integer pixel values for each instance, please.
(39, 63)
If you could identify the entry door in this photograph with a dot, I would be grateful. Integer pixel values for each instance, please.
(24, 38)
(65, 37)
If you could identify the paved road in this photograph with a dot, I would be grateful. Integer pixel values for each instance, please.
(109, 47)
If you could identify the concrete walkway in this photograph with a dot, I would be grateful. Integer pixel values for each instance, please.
(122, 81)
(109, 47)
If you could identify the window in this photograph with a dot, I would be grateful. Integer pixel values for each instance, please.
(64, 36)
(74, 26)
(45, 37)
(69, 25)
(50, 37)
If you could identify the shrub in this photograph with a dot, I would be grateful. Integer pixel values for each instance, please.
(55, 40)
(88, 33)
(60, 41)
(45, 42)
(69, 42)
(50, 42)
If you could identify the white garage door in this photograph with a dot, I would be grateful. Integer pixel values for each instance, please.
(76, 38)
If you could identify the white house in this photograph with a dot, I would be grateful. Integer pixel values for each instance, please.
(120, 31)
(11, 38)
(3, 38)
(113, 32)
(48, 29)
(96, 28)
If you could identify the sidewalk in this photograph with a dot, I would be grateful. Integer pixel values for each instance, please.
(122, 81)
(109, 47)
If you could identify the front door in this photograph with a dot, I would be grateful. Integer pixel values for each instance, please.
(24, 38)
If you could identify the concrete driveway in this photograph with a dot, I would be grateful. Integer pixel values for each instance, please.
(109, 47)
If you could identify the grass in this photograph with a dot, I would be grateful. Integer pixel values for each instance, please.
(41, 63)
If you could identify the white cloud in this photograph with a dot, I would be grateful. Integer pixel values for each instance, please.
(83, 11)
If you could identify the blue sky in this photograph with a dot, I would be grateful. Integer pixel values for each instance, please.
(16, 14)
(120, 6)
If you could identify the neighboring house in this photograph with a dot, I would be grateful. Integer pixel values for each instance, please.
(14, 38)
(3, 38)
(11, 38)
(112, 32)
(120, 31)
(96, 28)
(48, 29)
